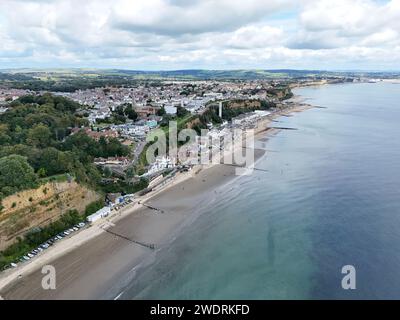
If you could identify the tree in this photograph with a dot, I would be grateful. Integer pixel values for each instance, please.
(181, 112)
(131, 113)
(41, 172)
(107, 172)
(16, 174)
(161, 112)
(130, 172)
(39, 136)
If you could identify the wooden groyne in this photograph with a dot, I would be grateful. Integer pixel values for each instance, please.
(284, 128)
(147, 245)
(152, 208)
(236, 165)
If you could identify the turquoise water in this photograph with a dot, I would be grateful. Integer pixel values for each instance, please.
(331, 197)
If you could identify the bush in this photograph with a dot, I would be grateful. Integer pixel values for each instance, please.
(93, 207)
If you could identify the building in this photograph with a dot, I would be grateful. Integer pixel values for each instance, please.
(112, 161)
(102, 213)
(96, 135)
(146, 111)
(160, 164)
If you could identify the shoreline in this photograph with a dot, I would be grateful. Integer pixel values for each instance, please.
(94, 254)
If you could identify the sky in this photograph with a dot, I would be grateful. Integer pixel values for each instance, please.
(200, 34)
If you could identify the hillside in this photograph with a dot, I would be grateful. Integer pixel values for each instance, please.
(29, 209)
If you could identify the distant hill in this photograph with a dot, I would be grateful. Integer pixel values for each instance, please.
(72, 79)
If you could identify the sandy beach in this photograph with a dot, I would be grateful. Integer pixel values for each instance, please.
(92, 262)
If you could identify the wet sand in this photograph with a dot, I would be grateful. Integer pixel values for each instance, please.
(94, 269)
(89, 271)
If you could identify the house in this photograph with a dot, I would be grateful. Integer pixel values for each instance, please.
(102, 213)
(160, 164)
(144, 112)
(170, 109)
(96, 135)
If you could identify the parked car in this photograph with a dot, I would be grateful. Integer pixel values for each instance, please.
(66, 233)
(81, 224)
(26, 258)
(14, 265)
(30, 255)
(75, 228)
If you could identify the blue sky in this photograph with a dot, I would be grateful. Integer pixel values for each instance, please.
(208, 34)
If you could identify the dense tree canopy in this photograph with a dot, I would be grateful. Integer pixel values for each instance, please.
(38, 130)
(16, 174)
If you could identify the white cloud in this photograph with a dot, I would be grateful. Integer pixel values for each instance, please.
(167, 34)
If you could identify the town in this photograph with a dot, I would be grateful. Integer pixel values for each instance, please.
(126, 120)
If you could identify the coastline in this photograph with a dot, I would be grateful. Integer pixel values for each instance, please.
(90, 261)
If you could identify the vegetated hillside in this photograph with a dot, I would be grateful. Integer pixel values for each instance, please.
(36, 151)
(34, 208)
(36, 142)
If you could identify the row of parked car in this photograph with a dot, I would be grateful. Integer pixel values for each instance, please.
(122, 204)
(49, 243)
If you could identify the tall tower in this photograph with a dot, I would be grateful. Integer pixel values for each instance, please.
(220, 109)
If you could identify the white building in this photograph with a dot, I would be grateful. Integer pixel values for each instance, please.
(170, 109)
(161, 163)
(102, 213)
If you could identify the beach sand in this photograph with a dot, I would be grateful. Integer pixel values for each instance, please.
(91, 263)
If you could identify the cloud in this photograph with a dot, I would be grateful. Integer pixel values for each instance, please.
(168, 34)
(181, 17)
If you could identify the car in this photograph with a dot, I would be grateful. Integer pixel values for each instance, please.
(30, 255)
(13, 265)
(66, 233)
(71, 230)
(81, 224)
(26, 258)
(75, 228)
(59, 237)
(40, 249)
(21, 260)
(44, 245)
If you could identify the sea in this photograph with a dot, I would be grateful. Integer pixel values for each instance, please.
(329, 198)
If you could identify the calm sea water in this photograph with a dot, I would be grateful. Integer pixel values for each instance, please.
(331, 197)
